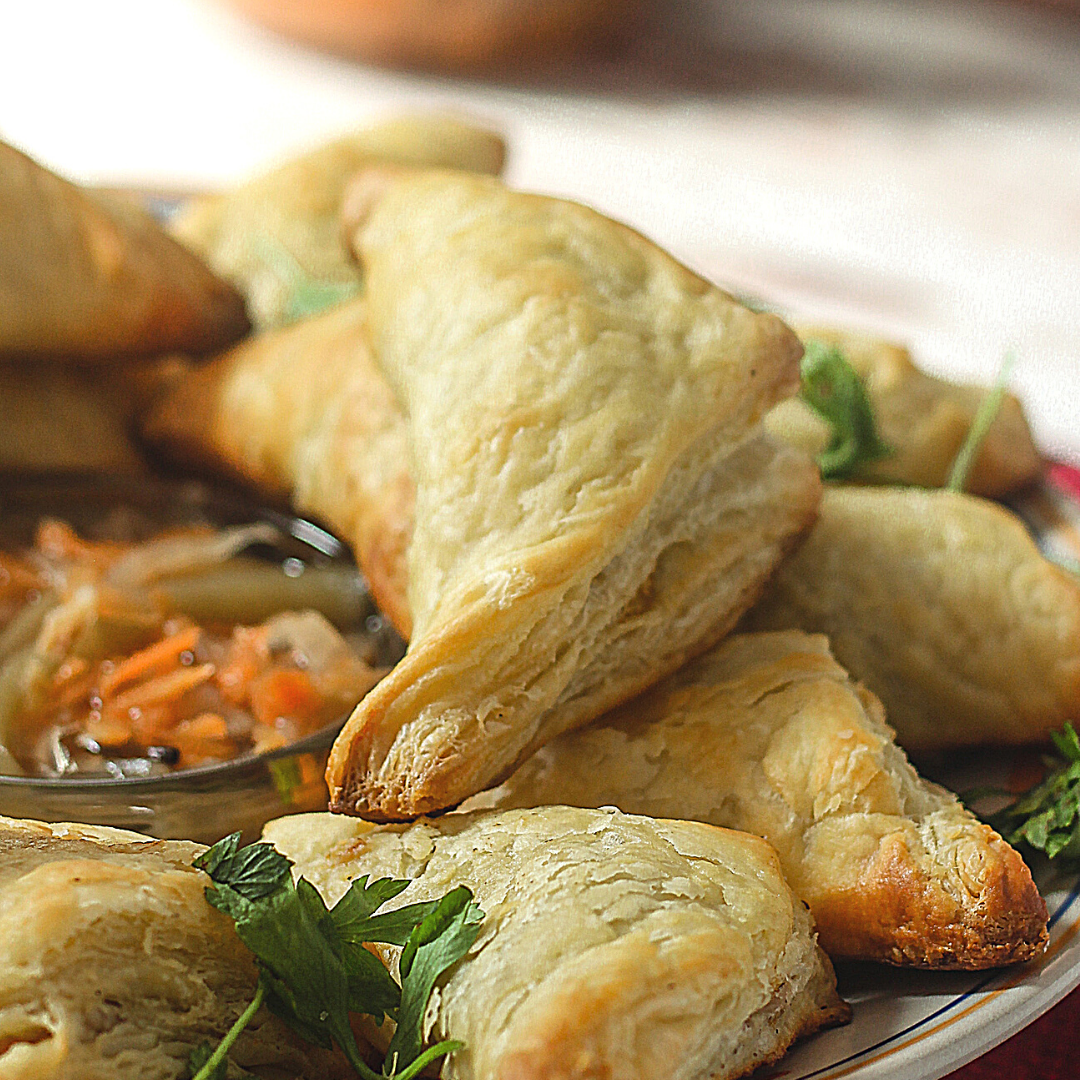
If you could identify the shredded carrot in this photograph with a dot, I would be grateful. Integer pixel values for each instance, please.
(58, 540)
(107, 730)
(284, 692)
(153, 725)
(162, 689)
(74, 690)
(154, 659)
(247, 657)
(71, 668)
(203, 738)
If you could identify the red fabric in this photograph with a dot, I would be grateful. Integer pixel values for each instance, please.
(1045, 1050)
(1064, 477)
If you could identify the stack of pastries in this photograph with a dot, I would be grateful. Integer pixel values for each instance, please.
(566, 467)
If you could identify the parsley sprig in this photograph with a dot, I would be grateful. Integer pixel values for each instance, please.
(313, 967)
(833, 389)
(1047, 818)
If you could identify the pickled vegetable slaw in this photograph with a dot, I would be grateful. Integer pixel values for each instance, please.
(132, 659)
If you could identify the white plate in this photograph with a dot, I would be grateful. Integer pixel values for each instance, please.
(910, 1024)
(924, 1024)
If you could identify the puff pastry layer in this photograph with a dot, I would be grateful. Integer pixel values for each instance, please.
(613, 946)
(282, 228)
(595, 501)
(303, 412)
(86, 277)
(114, 967)
(767, 733)
(943, 605)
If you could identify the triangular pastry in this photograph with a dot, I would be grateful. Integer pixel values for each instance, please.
(595, 499)
(91, 278)
(612, 946)
(767, 733)
(944, 606)
(113, 966)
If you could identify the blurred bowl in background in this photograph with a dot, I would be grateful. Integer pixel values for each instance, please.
(454, 35)
(209, 801)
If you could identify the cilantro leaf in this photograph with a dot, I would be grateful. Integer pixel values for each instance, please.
(1047, 817)
(833, 389)
(434, 945)
(255, 871)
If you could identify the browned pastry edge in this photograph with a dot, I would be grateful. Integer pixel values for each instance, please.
(905, 918)
(340, 768)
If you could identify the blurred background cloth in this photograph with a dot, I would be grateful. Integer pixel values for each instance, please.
(910, 166)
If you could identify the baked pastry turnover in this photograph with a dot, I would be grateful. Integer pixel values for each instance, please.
(90, 277)
(612, 946)
(114, 967)
(944, 606)
(595, 499)
(767, 733)
(281, 230)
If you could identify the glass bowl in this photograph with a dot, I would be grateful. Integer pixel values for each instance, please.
(205, 802)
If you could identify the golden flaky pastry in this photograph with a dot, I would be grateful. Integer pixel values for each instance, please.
(768, 734)
(943, 605)
(595, 500)
(280, 233)
(613, 946)
(924, 421)
(113, 966)
(86, 277)
(304, 412)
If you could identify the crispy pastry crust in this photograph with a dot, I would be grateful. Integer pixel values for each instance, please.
(944, 606)
(89, 278)
(594, 501)
(923, 420)
(114, 967)
(283, 225)
(613, 946)
(304, 413)
(768, 734)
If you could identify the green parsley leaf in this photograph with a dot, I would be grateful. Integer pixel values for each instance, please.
(833, 389)
(355, 918)
(254, 872)
(985, 416)
(313, 968)
(435, 944)
(1047, 817)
